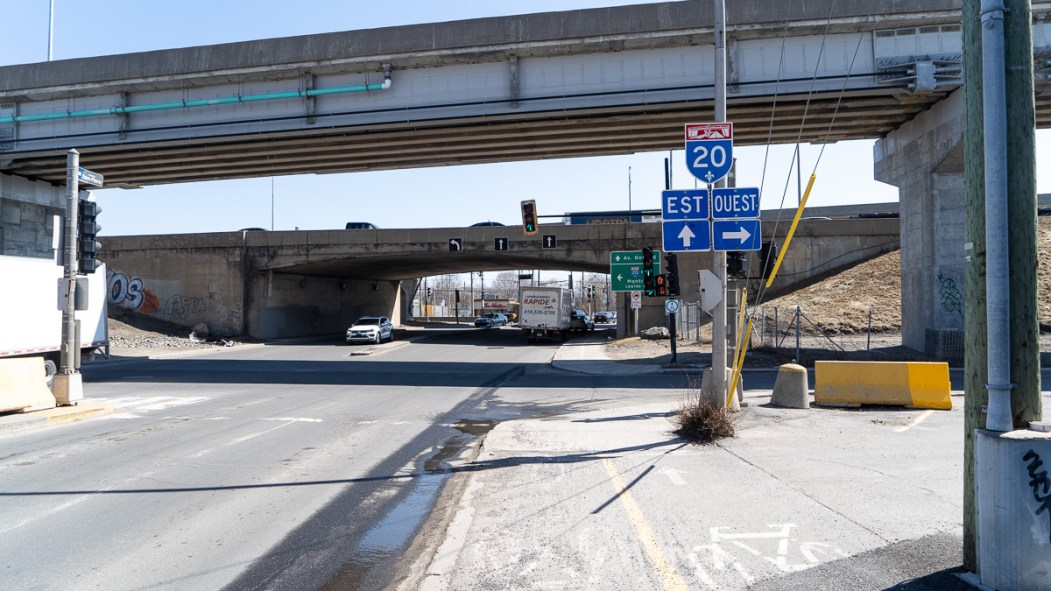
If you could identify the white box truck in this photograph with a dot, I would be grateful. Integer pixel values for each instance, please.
(31, 324)
(545, 312)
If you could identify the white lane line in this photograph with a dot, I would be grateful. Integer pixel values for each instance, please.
(923, 416)
(247, 437)
(293, 419)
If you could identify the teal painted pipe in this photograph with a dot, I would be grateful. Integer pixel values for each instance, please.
(270, 96)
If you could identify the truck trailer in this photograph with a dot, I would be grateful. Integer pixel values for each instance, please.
(32, 320)
(545, 312)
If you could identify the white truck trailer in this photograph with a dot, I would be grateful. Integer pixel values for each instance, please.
(545, 312)
(32, 322)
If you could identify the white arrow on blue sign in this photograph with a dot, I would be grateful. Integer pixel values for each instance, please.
(737, 235)
(738, 202)
(687, 235)
(709, 150)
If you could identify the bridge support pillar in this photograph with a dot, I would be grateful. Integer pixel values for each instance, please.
(26, 211)
(924, 159)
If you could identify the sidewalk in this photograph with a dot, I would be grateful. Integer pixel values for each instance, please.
(612, 499)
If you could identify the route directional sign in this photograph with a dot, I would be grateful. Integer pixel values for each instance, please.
(737, 234)
(685, 214)
(456, 245)
(625, 269)
(549, 241)
(687, 235)
(738, 202)
(709, 150)
(501, 244)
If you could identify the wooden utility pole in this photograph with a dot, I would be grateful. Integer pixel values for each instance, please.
(976, 370)
(1022, 222)
(1021, 212)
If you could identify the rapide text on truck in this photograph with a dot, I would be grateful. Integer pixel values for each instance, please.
(545, 312)
(33, 322)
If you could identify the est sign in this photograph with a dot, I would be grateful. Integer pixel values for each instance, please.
(735, 203)
(709, 150)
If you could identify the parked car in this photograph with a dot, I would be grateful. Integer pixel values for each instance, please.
(361, 226)
(371, 329)
(604, 317)
(579, 320)
(491, 319)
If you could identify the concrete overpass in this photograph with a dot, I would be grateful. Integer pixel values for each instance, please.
(575, 83)
(277, 284)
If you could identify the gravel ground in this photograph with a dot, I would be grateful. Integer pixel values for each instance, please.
(152, 338)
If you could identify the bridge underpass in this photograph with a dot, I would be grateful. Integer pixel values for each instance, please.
(575, 83)
(281, 284)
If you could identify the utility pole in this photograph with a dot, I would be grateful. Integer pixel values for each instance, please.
(976, 370)
(1001, 327)
(68, 386)
(718, 380)
(1021, 212)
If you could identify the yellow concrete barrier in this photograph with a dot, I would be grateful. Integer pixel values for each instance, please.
(23, 386)
(906, 383)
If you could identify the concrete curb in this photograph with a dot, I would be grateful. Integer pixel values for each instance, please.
(21, 423)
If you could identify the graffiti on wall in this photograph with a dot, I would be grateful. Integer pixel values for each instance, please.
(131, 293)
(180, 305)
(952, 298)
(1041, 485)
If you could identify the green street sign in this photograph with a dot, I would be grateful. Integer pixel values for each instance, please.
(625, 269)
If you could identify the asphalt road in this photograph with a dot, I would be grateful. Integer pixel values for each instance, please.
(277, 467)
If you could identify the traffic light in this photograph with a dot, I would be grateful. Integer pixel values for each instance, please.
(87, 246)
(430, 292)
(660, 285)
(767, 257)
(457, 296)
(648, 283)
(529, 217)
(736, 265)
(672, 273)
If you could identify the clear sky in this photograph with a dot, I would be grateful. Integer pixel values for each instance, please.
(431, 197)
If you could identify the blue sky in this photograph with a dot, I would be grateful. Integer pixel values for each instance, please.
(432, 197)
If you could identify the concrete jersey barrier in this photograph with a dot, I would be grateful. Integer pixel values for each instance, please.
(913, 384)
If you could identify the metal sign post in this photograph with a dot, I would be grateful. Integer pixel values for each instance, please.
(68, 386)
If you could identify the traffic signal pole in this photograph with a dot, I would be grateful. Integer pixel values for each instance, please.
(67, 386)
(718, 378)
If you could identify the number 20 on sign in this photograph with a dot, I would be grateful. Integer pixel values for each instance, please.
(709, 150)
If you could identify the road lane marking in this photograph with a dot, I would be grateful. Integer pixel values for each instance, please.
(923, 416)
(247, 437)
(670, 579)
(673, 476)
(293, 419)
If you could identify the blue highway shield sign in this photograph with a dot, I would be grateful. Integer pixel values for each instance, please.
(709, 150)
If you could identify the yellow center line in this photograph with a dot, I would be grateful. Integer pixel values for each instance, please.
(923, 416)
(671, 580)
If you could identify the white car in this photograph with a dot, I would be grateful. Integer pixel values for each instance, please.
(371, 329)
(491, 319)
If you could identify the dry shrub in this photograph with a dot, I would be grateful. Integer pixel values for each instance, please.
(703, 422)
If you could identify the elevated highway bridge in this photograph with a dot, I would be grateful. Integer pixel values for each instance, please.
(576, 83)
(275, 284)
